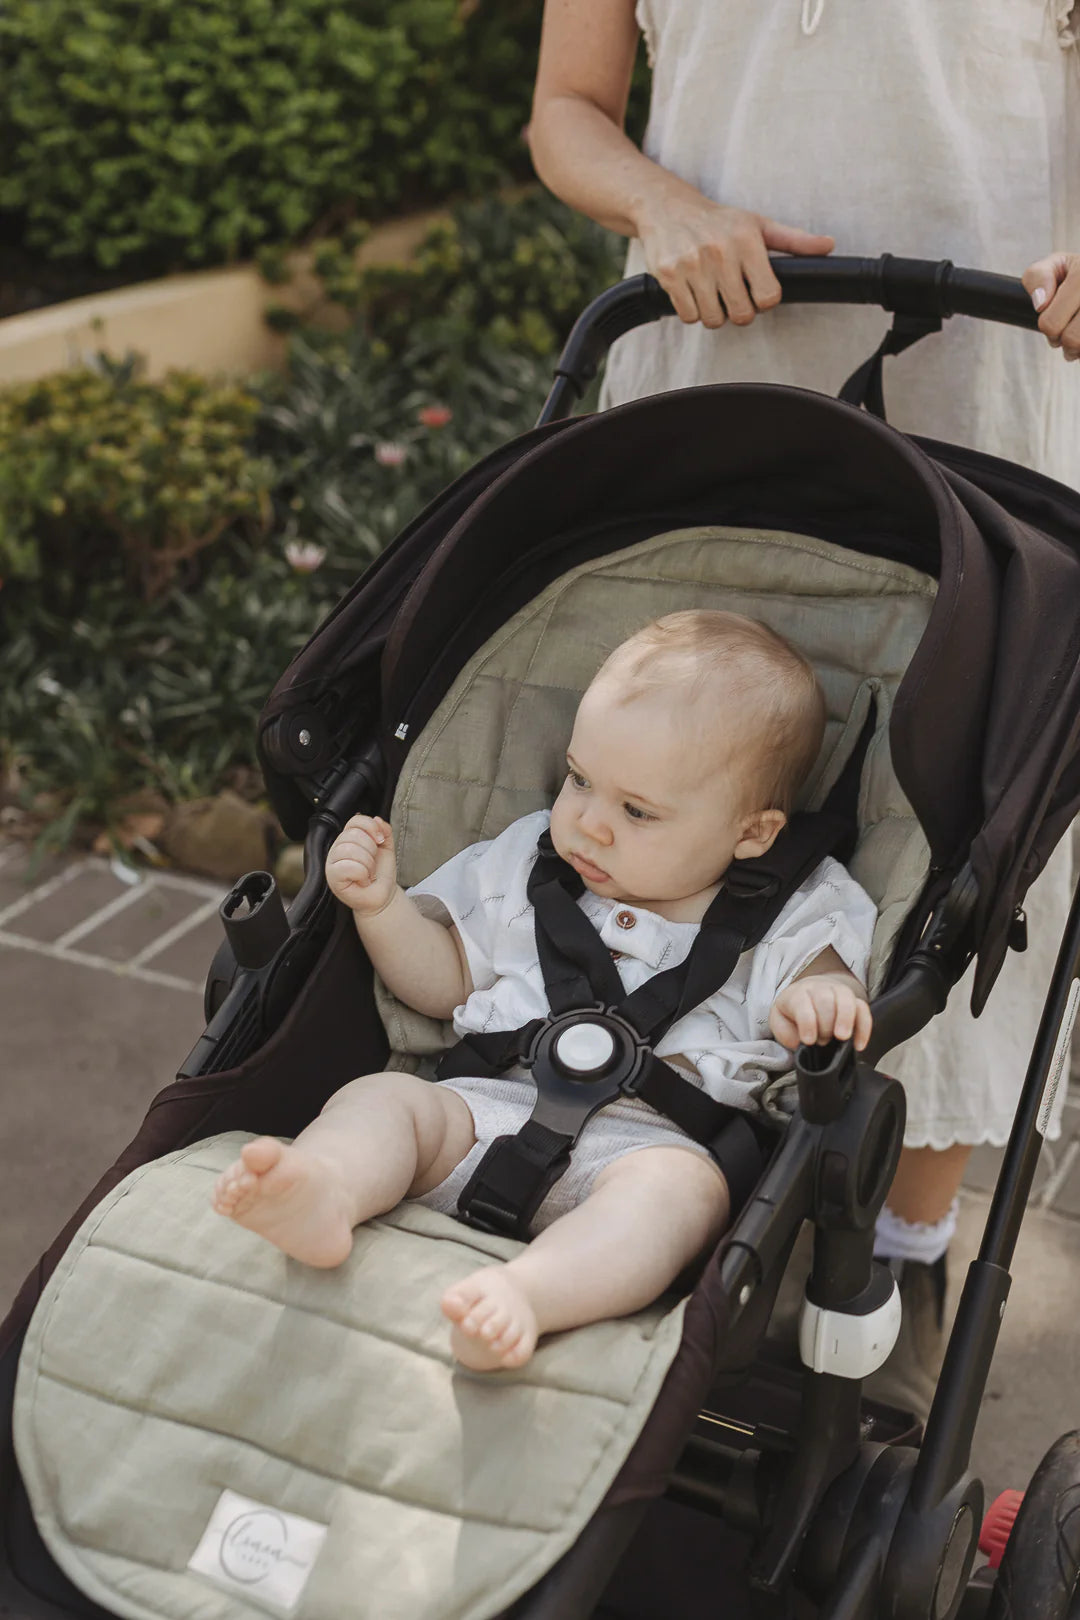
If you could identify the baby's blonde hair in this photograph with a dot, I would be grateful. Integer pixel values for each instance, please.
(704, 652)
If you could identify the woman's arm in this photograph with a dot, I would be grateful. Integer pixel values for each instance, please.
(712, 260)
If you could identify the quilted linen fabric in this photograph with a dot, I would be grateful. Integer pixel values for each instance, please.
(495, 749)
(174, 1356)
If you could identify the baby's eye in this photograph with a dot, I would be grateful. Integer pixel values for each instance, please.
(637, 814)
(577, 779)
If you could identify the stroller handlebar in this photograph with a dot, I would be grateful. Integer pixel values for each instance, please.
(924, 288)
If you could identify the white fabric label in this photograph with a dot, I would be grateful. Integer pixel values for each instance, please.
(1061, 1053)
(259, 1551)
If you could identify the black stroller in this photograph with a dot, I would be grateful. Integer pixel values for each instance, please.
(754, 1487)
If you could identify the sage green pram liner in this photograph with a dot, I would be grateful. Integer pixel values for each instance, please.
(175, 1355)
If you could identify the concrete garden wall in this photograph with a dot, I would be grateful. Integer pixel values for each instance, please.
(210, 321)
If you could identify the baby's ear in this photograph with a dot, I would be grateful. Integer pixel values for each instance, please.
(759, 832)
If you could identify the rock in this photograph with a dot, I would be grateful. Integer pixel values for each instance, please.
(289, 870)
(135, 822)
(222, 837)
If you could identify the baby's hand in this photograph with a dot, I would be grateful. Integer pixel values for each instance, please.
(818, 1008)
(361, 868)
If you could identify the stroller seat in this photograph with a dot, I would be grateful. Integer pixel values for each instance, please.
(433, 1491)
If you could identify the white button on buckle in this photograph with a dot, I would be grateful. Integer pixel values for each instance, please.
(585, 1048)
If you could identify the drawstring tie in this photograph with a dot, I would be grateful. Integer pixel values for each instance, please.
(811, 15)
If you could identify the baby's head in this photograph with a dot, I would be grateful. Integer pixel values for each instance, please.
(688, 751)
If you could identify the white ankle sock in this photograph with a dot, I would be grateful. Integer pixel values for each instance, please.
(926, 1241)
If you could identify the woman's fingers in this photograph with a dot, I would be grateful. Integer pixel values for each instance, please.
(713, 262)
(702, 282)
(675, 282)
(732, 285)
(1054, 285)
(793, 239)
(760, 276)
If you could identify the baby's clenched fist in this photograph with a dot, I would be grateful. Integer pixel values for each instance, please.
(819, 1008)
(361, 868)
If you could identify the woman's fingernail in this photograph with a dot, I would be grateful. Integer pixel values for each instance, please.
(1038, 297)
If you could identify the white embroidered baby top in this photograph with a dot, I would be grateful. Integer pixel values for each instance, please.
(727, 1040)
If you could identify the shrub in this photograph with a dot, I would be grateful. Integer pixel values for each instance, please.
(518, 272)
(149, 133)
(110, 696)
(96, 464)
(362, 439)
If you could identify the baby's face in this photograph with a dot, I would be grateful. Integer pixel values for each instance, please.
(644, 815)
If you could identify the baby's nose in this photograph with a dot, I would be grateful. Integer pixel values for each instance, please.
(596, 827)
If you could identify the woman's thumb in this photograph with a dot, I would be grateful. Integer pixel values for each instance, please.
(792, 239)
(1043, 278)
(384, 833)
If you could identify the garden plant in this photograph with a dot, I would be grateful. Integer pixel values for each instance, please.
(166, 548)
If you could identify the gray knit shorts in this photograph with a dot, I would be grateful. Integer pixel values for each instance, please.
(501, 1105)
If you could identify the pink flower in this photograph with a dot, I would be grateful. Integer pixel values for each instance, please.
(304, 555)
(435, 416)
(389, 454)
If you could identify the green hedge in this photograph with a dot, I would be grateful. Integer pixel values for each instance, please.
(150, 133)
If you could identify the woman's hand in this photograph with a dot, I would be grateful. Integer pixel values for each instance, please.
(713, 261)
(1054, 285)
(361, 867)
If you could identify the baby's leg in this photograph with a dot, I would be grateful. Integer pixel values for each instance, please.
(378, 1139)
(648, 1215)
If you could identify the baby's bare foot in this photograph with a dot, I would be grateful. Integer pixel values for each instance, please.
(289, 1196)
(494, 1323)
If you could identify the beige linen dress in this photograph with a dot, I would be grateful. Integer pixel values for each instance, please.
(925, 128)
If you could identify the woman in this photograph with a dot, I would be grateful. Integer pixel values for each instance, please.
(933, 129)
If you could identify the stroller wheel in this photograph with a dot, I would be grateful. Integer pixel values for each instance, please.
(1039, 1574)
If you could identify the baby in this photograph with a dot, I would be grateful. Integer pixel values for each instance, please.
(687, 751)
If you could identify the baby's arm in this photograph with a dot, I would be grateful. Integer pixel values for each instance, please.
(420, 960)
(824, 1001)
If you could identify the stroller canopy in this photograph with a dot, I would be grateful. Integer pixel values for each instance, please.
(983, 732)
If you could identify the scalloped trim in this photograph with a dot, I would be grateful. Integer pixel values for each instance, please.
(941, 1140)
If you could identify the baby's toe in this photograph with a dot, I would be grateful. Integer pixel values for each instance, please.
(261, 1155)
(495, 1326)
(483, 1311)
(517, 1353)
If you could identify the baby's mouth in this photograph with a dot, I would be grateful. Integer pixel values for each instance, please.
(591, 873)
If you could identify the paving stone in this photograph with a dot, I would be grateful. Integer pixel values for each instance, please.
(151, 913)
(1033, 1391)
(191, 955)
(86, 892)
(16, 879)
(84, 1052)
(1066, 1200)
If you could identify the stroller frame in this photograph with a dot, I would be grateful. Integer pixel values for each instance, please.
(859, 1527)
